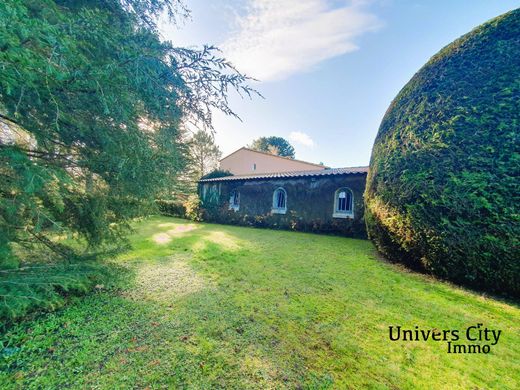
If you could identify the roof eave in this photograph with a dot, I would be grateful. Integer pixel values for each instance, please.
(287, 175)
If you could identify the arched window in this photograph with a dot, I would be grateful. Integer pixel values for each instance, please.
(279, 201)
(343, 203)
(234, 200)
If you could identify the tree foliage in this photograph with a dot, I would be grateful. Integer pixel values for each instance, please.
(443, 191)
(217, 173)
(275, 145)
(204, 154)
(91, 102)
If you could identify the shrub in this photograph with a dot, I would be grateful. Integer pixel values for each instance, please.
(193, 208)
(443, 189)
(216, 173)
(171, 208)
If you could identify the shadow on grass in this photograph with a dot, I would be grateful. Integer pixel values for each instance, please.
(229, 307)
(37, 287)
(183, 334)
(447, 287)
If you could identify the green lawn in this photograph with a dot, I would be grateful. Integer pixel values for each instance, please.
(212, 306)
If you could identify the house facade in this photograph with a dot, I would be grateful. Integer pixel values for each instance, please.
(245, 161)
(318, 200)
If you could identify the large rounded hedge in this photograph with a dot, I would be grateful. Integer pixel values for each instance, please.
(443, 191)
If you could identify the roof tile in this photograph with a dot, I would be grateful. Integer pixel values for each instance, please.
(283, 175)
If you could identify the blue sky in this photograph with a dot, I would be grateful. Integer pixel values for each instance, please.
(328, 68)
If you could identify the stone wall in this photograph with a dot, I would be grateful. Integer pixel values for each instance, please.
(310, 203)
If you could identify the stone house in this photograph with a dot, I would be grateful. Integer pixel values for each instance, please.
(328, 200)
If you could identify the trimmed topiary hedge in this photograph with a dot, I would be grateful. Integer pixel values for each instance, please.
(443, 191)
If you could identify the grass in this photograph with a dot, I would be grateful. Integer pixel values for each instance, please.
(211, 306)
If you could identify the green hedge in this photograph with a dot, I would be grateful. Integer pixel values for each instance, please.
(171, 208)
(443, 192)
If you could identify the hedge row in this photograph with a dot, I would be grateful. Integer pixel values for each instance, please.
(443, 192)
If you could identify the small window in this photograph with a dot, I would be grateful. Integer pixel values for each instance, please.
(254, 167)
(343, 204)
(279, 201)
(234, 200)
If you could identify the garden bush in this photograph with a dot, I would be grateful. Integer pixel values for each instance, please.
(443, 191)
(216, 173)
(193, 208)
(171, 208)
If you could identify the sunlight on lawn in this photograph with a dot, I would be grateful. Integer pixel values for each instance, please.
(168, 280)
(222, 239)
(166, 237)
(257, 365)
(216, 306)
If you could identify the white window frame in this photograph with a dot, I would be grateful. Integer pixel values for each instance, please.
(336, 213)
(234, 195)
(275, 209)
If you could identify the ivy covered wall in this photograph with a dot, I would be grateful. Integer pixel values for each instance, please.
(310, 203)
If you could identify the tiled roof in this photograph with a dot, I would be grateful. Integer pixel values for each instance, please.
(284, 175)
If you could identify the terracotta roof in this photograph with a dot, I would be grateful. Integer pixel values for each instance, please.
(283, 175)
(273, 155)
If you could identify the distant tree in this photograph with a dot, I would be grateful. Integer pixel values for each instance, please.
(204, 154)
(275, 145)
(202, 157)
(217, 173)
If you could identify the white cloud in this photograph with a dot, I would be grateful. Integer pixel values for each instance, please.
(277, 38)
(301, 138)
